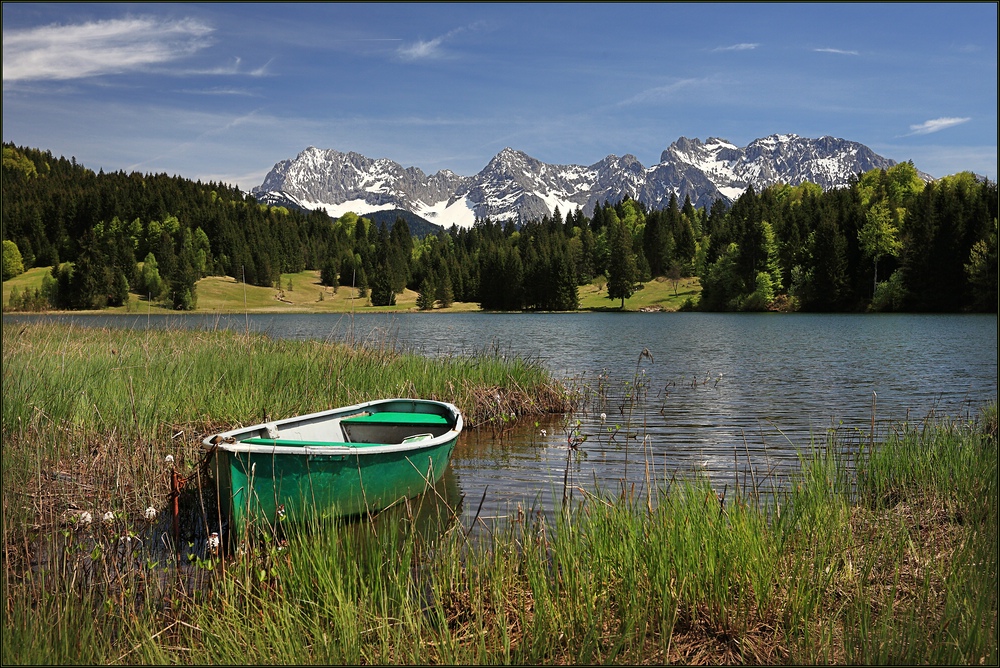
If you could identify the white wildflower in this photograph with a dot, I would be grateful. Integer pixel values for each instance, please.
(151, 513)
(169, 459)
(86, 518)
(544, 433)
(109, 516)
(213, 542)
(604, 417)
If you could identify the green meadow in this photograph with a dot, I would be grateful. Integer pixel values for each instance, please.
(303, 293)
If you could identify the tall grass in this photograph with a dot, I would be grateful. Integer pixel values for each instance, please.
(828, 574)
(100, 409)
(144, 382)
(887, 557)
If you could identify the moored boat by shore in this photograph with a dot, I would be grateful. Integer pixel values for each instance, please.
(336, 463)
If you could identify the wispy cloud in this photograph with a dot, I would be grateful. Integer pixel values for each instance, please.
(235, 69)
(63, 52)
(240, 92)
(661, 92)
(935, 125)
(745, 46)
(839, 52)
(432, 48)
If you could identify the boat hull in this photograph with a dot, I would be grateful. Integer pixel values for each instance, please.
(263, 476)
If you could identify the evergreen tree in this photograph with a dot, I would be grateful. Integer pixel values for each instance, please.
(623, 273)
(90, 280)
(166, 256)
(383, 279)
(427, 294)
(502, 279)
(685, 244)
(826, 287)
(402, 251)
(767, 281)
(328, 274)
(565, 296)
(118, 293)
(654, 244)
(718, 230)
(443, 293)
(383, 293)
(690, 214)
(182, 285)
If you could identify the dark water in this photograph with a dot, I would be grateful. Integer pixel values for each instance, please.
(692, 392)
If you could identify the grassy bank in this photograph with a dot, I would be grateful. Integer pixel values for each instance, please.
(659, 294)
(302, 293)
(889, 557)
(94, 412)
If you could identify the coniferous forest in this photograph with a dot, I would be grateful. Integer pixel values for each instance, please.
(887, 242)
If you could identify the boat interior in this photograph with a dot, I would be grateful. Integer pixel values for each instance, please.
(363, 428)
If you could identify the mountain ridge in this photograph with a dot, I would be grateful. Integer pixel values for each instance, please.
(515, 186)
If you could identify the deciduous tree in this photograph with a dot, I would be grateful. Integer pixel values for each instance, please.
(12, 263)
(879, 237)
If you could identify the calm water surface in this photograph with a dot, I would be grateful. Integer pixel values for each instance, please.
(679, 393)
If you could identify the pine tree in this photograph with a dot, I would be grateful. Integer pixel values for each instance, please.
(826, 288)
(182, 285)
(426, 294)
(382, 287)
(90, 279)
(623, 272)
(443, 293)
(654, 243)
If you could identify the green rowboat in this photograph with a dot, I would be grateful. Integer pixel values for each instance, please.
(336, 463)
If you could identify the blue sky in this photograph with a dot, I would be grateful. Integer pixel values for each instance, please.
(223, 91)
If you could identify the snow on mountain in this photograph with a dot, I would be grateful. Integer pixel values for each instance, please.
(515, 186)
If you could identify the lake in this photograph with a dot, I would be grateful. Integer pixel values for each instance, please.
(680, 393)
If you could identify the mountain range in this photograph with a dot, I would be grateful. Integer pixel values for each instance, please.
(515, 186)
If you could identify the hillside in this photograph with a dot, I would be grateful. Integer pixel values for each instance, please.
(887, 241)
(221, 294)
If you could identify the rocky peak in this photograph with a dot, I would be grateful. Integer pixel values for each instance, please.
(516, 186)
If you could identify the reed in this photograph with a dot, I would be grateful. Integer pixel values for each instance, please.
(143, 382)
(92, 416)
(827, 573)
(101, 409)
(886, 555)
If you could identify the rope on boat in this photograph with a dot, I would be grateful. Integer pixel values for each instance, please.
(177, 483)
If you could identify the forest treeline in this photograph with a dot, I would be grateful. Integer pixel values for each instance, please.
(887, 242)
